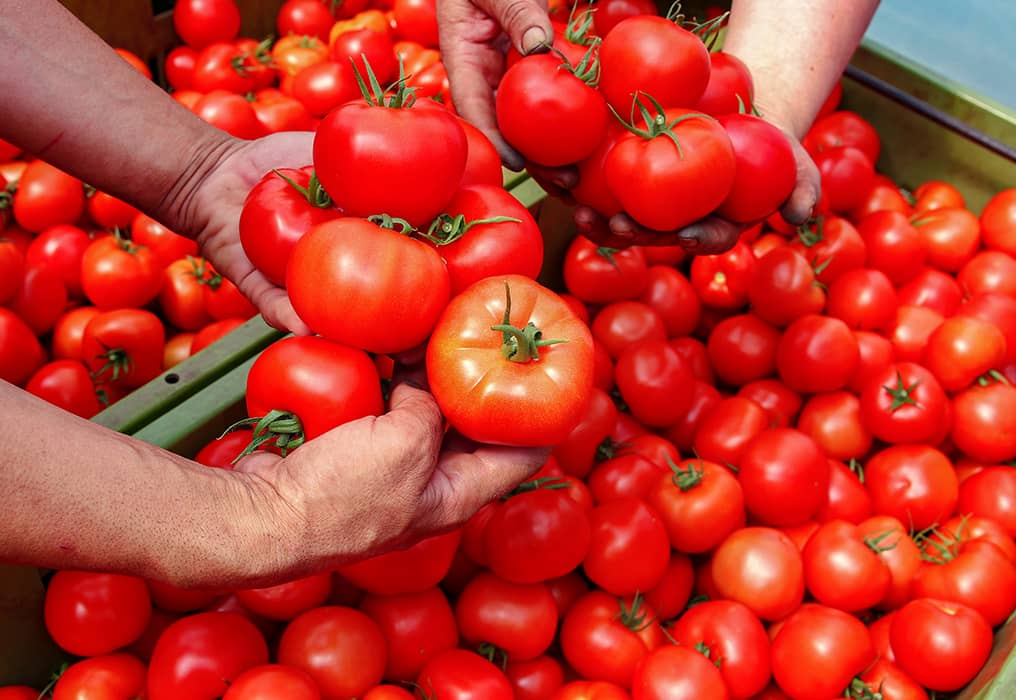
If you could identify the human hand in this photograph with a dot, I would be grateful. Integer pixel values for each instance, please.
(209, 208)
(375, 484)
(473, 44)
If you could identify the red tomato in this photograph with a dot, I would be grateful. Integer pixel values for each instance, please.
(231, 113)
(998, 222)
(863, 298)
(672, 296)
(223, 300)
(180, 62)
(654, 381)
(730, 86)
(67, 384)
(409, 570)
(577, 451)
(951, 236)
(201, 22)
(975, 573)
(677, 673)
(364, 47)
(704, 397)
(723, 281)
(782, 403)
(483, 164)
(41, 300)
(701, 503)
(847, 175)
(69, 331)
(304, 18)
(784, 476)
(598, 274)
(416, 626)
(903, 404)
(819, 637)
(844, 128)
(893, 245)
(323, 383)
(166, 245)
(728, 427)
(624, 475)
(590, 690)
(458, 674)
(898, 552)
(629, 549)
(817, 353)
(592, 189)
(833, 420)
(556, 377)
(112, 676)
(198, 656)
(287, 600)
(12, 269)
(273, 681)
(621, 325)
(213, 332)
(375, 314)
(89, 614)
(538, 679)
(167, 596)
(672, 593)
(832, 245)
(882, 195)
(931, 629)
(876, 355)
(124, 347)
(984, 425)
(990, 493)
(999, 310)
(761, 568)
(47, 197)
(842, 568)
(915, 484)
(963, 348)
(416, 20)
(61, 248)
(324, 86)
(887, 678)
(182, 296)
(783, 288)
(118, 274)
(989, 272)
(742, 349)
(765, 171)
(518, 619)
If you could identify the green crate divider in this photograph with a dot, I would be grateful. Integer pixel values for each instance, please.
(169, 389)
(997, 680)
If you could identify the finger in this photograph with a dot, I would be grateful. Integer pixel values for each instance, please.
(802, 201)
(709, 236)
(526, 23)
(465, 482)
(273, 303)
(555, 181)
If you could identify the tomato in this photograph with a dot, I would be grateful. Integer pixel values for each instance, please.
(322, 383)
(621, 476)
(671, 295)
(988, 272)
(112, 676)
(61, 249)
(69, 332)
(782, 403)
(41, 300)
(279, 112)
(23, 692)
(604, 637)
(676, 673)
(761, 568)
(537, 535)
(223, 300)
(166, 245)
(590, 690)
(323, 86)
(847, 498)
(375, 314)
(963, 348)
(903, 403)
(736, 642)
(416, 627)
(847, 174)
(182, 297)
(984, 425)
(537, 679)
(975, 573)
(999, 310)
(742, 349)
(549, 111)
(220, 66)
(765, 172)
(357, 162)
(477, 245)
(46, 197)
(817, 353)
(577, 451)
(88, 614)
(784, 476)
(927, 629)
(272, 681)
(890, 681)
(200, 655)
(820, 637)
(882, 195)
(991, 493)
(998, 222)
(408, 570)
(863, 298)
(117, 274)
(783, 288)
(12, 269)
(304, 18)
(833, 420)
(518, 619)
(671, 595)
(458, 674)
(622, 325)
(654, 382)
(483, 164)
(231, 113)
(893, 245)
(416, 20)
(951, 236)
(287, 600)
(201, 22)
(704, 397)
(842, 568)
(108, 212)
(533, 392)
(700, 503)
(961, 529)
(730, 86)
(67, 384)
(727, 428)
(723, 281)
(911, 331)
(876, 355)
(169, 597)
(645, 168)
(365, 47)
(597, 274)
(124, 347)
(179, 67)
(653, 56)
(832, 245)
(843, 128)
(629, 549)
(914, 483)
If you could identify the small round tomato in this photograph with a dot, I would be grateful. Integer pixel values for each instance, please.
(518, 619)
(903, 403)
(117, 274)
(273, 681)
(124, 347)
(951, 236)
(109, 676)
(842, 568)
(88, 614)
(67, 384)
(863, 298)
(677, 673)
(784, 476)
(742, 349)
(998, 222)
(47, 196)
(761, 568)
(893, 245)
(201, 22)
(984, 422)
(61, 248)
(459, 674)
(287, 600)
(990, 493)
(728, 427)
(166, 245)
(598, 274)
(629, 549)
(701, 503)
(416, 626)
(915, 484)
(817, 353)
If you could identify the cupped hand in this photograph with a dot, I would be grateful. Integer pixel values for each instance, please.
(379, 483)
(214, 207)
(474, 35)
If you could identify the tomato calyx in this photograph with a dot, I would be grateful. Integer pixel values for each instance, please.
(261, 54)
(550, 483)
(588, 69)
(708, 31)
(632, 616)
(494, 654)
(990, 377)
(810, 232)
(520, 344)
(859, 690)
(447, 229)
(857, 468)
(655, 125)
(392, 223)
(578, 29)
(704, 649)
(609, 448)
(117, 360)
(123, 243)
(314, 193)
(398, 95)
(901, 394)
(54, 678)
(608, 254)
(281, 428)
(686, 479)
(874, 543)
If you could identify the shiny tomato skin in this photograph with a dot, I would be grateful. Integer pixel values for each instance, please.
(903, 404)
(700, 502)
(975, 573)
(598, 274)
(817, 353)
(408, 570)
(842, 570)
(989, 271)
(916, 484)
(621, 325)
(844, 128)
(89, 614)
(984, 425)
(124, 347)
(655, 382)
(47, 196)
(201, 22)
(273, 681)
(728, 427)
(41, 300)
(537, 679)
(287, 600)
(629, 549)
(729, 79)
(109, 676)
(165, 244)
(951, 236)
(742, 349)
(458, 674)
(483, 164)
(677, 673)
(833, 420)
(765, 172)
(784, 476)
(230, 112)
(182, 296)
(998, 222)
(67, 384)
(118, 274)
(832, 245)
(893, 245)
(304, 17)
(520, 619)
(69, 331)
(672, 296)
(784, 287)
(990, 493)
(577, 452)
(61, 247)
(863, 298)
(416, 626)
(761, 568)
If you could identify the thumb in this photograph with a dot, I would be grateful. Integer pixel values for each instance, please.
(526, 22)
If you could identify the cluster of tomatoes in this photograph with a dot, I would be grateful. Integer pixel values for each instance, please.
(250, 88)
(644, 113)
(97, 298)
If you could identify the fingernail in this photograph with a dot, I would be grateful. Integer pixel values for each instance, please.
(533, 40)
(688, 242)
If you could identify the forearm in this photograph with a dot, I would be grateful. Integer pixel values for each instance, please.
(796, 51)
(70, 99)
(83, 497)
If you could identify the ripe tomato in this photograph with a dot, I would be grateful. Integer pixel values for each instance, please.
(963, 348)
(677, 673)
(408, 570)
(166, 245)
(231, 113)
(704, 397)
(817, 353)
(622, 325)
(847, 175)
(458, 674)
(538, 679)
(304, 18)
(180, 62)
(843, 128)
(89, 614)
(67, 384)
(416, 626)
(123, 347)
(357, 162)
(833, 420)
(518, 619)
(598, 274)
(760, 567)
(903, 403)
(742, 349)
(820, 637)
(118, 274)
(671, 295)
(984, 425)
(990, 493)
(891, 681)
(376, 313)
(882, 195)
(322, 383)
(915, 484)
(842, 568)
(832, 245)
(700, 502)
(847, 498)
(47, 197)
(69, 331)
(41, 300)
(728, 427)
(182, 297)
(975, 573)
(784, 476)
(287, 600)
(550, 112)
(629, 549)
(60, 248)
(367, 47)
(201, 22)
(475, 245)
(863, 298)
(590, 690)
(646, 167)
(111, 676)
(323, 86)
(951, 236)
(783, 288)
(988, 272)
(536, 535)
(927, 629)
(723, 281)
(483, 164)
(782, 403)
(730, 85)
(198, 656)
(416, 20)
(893, 245)
(273, 681)
(765, 172)
(212, 332)
(12, 269)
(576, 452)
(654, 381)
(279, 112)
(223, 300)
(495, 373)
(998, 222)
(653, 56)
